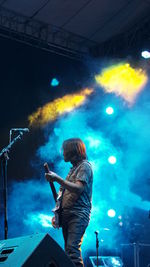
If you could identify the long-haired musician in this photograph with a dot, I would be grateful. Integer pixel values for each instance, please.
(76, 197)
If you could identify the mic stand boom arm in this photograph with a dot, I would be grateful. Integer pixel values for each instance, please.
(4, 157)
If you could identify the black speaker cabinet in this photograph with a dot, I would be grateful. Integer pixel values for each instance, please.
(38, 250)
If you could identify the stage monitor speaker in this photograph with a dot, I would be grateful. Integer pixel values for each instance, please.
(38, 250)
(107, 261)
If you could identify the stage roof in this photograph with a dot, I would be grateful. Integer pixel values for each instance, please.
(85, 22)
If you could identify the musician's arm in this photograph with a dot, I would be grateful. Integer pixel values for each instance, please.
(73, 187)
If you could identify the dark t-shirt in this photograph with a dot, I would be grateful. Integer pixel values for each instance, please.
(72, 202)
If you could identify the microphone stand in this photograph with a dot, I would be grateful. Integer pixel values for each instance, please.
(4, 157)
(97, 246)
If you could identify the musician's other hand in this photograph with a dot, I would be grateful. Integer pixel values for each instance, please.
(51, 176)
(53, 222)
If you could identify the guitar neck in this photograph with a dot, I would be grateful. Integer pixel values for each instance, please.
(51, 183)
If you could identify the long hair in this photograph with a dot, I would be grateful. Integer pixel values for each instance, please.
(75, 148)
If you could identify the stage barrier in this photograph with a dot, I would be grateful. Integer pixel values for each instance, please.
(136, 254)
(107, 261)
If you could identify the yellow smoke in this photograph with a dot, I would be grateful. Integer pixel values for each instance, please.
(59, 106)
(123, 80)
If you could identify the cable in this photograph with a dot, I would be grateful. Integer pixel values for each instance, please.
(77, 12)
(114, 15)
(36, 12)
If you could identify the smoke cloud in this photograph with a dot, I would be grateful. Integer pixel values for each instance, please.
(121, 186)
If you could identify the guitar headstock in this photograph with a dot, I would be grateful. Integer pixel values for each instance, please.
(46, 167)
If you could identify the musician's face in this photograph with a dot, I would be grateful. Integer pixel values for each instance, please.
(66, 156)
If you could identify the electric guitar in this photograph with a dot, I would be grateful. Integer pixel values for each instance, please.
(57, 198)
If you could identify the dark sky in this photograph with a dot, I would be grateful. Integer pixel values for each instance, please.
(25, 75)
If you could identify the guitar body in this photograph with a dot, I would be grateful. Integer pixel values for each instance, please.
(57, 212)
(57, 198)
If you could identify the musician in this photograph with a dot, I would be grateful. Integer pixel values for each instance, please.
(76, 197)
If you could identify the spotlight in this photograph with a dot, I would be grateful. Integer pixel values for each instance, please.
(120, 224)
(54, 82)
(109, 110)
(145, 54)
(112, 160)
(111, 213)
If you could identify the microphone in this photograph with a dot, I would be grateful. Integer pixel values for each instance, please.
(20, 129)
(96, 232)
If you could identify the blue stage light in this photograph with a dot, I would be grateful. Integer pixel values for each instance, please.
(145, 54)
(109, 110)
(54, 82)
(112, 160)
(111, 213)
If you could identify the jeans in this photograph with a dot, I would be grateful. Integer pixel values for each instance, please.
(73, 227)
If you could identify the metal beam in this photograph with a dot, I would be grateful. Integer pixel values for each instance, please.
(42, 35)
(125, 44)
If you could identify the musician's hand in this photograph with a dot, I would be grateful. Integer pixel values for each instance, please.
(51, 176)
(53, 222)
